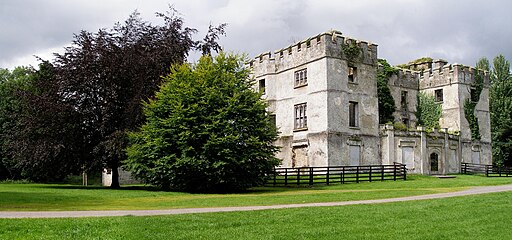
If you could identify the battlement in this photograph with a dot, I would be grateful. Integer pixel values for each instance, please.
(327, 44)
(449, 73)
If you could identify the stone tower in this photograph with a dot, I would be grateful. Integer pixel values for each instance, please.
(323, 94)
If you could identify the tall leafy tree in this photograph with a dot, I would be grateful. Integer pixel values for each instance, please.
(101, 80)
(206, 130)
(501, 110)
(46, 144)
(11, 82)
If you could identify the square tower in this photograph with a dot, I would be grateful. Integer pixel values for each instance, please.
(322, 93)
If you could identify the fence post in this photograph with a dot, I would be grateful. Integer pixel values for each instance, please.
(370, 174)
(405, 172)
(275, 176)
(486, 170)
(357, 174)
(382, 173)
(286, 176)
(327, 176)
(394, 171)
(342, 175)
(298, 176)
(310, 176)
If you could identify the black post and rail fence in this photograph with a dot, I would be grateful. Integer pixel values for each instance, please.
(336, 175)
(488, 170)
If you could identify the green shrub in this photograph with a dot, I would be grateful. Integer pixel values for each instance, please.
(206, 130)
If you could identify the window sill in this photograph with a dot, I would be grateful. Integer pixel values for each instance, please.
(353, 83)
(354, 128)
(299, 86)
(300, 129)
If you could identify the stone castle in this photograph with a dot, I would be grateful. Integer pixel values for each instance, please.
(322, 94)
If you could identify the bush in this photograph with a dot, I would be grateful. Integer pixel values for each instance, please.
(206, 131)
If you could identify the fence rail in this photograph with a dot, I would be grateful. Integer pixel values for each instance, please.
(488, 170)
(336, 174)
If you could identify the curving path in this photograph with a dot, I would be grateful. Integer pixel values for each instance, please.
(66, 214)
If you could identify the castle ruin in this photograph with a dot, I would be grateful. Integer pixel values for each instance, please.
(322, 94)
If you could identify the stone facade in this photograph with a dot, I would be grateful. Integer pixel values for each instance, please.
(322, 93)
(312, 110)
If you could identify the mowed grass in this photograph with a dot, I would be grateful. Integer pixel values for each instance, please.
(46, 197)
(471, 217)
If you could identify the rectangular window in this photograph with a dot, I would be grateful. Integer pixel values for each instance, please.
(352, 74)
(403, 101)
(301, 118)
(439, 95)
(301, 77)
(474, 96)
(353, 112)
(262, 86)
(405, 121)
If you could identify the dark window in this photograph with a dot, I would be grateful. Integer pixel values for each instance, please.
(405, 121)
(353, 113)
(301, 78)
(403, 100)
(434, 162)
(301, 119)
(262, 86)
(352, 74)
(474, 96)
(439, 95)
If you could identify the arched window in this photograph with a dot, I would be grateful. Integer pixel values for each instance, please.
(434, 162)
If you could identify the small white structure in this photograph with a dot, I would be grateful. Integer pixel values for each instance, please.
(124, 177)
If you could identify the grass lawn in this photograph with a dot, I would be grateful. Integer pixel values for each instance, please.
(470, 217)
(45, 197)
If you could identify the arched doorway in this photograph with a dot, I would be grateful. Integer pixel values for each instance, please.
(434, 163)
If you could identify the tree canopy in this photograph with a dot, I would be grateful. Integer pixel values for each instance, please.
(206, 130)
(500, 105)
(87, 99)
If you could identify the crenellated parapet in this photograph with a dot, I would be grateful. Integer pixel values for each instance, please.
(404, 78)
(327, 44)
(446, 74)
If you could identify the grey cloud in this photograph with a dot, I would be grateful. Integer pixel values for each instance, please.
(458, 31)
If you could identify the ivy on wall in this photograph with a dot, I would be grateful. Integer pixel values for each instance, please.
(470, 105)
(428, 111)
(351, 50)
(386, 101)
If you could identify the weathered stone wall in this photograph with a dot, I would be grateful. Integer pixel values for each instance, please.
(328, 138)
(405, 81)
(415, 148)
(327, 94)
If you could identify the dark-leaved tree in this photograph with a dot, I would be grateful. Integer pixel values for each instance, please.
(206, 130)
(102, 78)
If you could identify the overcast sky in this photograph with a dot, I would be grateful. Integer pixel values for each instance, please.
(457, 31)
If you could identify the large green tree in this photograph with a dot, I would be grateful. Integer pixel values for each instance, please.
(206, 130)
(101, 80)
(11, 82)
(500, 105)
(46, 144)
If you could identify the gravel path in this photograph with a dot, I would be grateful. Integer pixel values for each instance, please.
(65, 214)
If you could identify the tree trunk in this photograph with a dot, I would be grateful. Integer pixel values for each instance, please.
(115, 178)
